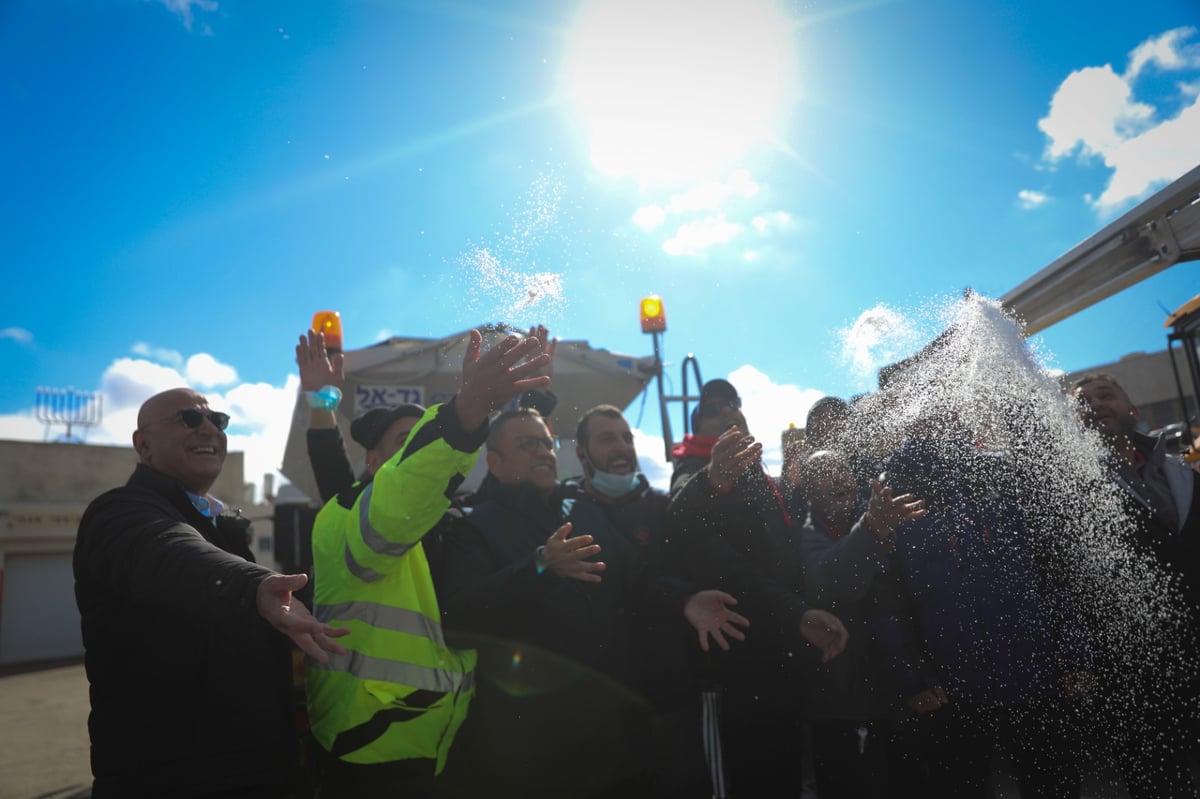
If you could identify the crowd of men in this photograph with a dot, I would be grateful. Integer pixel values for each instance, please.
(893, 623)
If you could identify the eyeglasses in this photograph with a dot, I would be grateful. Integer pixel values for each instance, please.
(531, 444)
(193, 418)
(716, 407)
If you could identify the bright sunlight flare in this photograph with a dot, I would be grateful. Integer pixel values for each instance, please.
(670, 91)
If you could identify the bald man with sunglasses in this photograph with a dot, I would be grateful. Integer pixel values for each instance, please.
(186, 638)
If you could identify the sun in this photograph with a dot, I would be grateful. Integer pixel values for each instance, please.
(670, 91)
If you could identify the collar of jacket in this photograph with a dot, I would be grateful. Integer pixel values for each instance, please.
(148, 477)
(694, 446)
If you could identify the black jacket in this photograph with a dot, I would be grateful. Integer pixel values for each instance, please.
(554, 660)
(745, 543)
(848, 575)
(491, 584)
(190, 688)
(663, 643)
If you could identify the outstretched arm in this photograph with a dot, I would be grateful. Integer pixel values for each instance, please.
(290, 617)
(419, 480)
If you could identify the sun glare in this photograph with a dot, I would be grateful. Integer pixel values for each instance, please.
(674, 90)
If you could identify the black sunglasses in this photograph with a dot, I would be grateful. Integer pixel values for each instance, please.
(715, 407)
(193, 418)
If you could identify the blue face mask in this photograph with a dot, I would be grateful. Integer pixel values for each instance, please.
(614, 485)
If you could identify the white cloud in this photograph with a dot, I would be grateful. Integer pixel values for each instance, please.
(21, 427)
(649, 217)
(878, 337)
(1157, 156)
(204, 370)
(652, 459)
(17, 334)
(261, 425)
(769, 408)
(693, 238)
(1095, 113)
(1030, 199)
(710, 195)
(703, 216)
(1093, 110)
(772, 220)
(1168, 52)
(183, 9)
(128, 382)
(160, 354)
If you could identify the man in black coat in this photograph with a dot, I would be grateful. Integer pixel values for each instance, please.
(729, 521)
(672, 620)
(190, 684)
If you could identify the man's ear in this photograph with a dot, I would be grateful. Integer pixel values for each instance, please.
(371, 461)
(141, 447)
(492, 459)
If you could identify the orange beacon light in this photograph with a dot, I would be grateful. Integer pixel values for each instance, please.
(653, 315)
(329, 323)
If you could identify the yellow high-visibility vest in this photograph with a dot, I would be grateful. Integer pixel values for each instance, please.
(399, 692)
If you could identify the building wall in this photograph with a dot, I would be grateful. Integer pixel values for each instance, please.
(44, 489)
(1150, 382)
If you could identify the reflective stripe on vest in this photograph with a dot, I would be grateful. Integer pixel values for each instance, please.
(372, 538)
(400, 672)
(397, 672)
(384, 617)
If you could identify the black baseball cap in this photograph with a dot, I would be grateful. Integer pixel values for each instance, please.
(717, 389)
(369, 428)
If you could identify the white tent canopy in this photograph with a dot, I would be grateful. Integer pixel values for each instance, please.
(428, 371)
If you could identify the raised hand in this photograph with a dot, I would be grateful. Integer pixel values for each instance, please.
(709, 614)
(885, 513)
(824, 631)
(732, 454)
(568, 557)
(317, 368)
(549, 345)
(491, 379)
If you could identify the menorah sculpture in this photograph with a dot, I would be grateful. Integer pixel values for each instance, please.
(69, 407)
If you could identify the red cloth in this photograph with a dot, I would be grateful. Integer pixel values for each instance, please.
(694, 446)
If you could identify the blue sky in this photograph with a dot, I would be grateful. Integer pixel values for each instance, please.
(186, 181)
